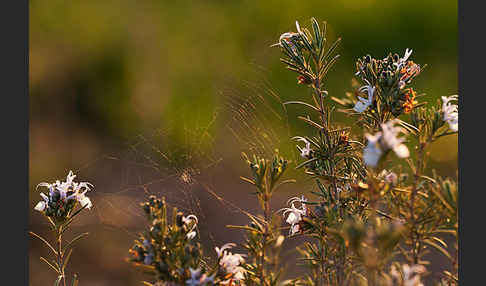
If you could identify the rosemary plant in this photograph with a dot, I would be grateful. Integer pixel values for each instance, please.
(64, 202)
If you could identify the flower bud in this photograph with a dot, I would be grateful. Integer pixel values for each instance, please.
(152, 200)
(146, 208)
(188, 249)
(56, 196)
(179, 219)
(163, 268)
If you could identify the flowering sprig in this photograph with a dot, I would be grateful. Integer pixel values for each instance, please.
(169, 250)
(263, 231)
(59, 207)
(385, 82)
(63, 197)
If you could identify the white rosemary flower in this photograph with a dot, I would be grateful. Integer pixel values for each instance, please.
(288, 37)
(231, 263)
(411, 274)
(285, 37)
(187, 220)
(364, 103)
(451, 114)
(40, 206)
(403, 60)
(84, 201)
(401, 84)
(304, 152)
(384, 141)
(295, 214)
(388, 176)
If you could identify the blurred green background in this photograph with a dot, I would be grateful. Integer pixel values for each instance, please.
(137, 97)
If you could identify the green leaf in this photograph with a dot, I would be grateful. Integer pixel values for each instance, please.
(75, 239)
(325, 68)
(306, 162)
(438, 247)
(66, 260)
(302, 103)
(43, 240)
(56, 268)
(248, 181)
(310, 122)
(58, 281)
(243, 227)
(331, 49)
(284, 182)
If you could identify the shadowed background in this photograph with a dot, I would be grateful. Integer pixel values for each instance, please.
(141, 97)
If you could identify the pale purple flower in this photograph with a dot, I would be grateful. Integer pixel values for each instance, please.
(411, 274)
(388, 176)
(78, 190)
(197, 278)
(383, 141)
(363, 103)
(304, 152)
(372, 152)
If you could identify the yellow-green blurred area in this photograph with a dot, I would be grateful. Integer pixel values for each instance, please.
(140, 97)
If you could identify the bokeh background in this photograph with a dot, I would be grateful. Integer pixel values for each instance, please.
(161, 97)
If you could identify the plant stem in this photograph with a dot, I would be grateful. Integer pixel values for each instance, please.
(267, 214)
(60, 254)
(413, 222)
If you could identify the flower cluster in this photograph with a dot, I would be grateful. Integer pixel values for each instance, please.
(392, 70)
(62, 197)
(383, 141)
(385, 84)
(59, 207)
(295, 215)
(169, 250)
(230, 264)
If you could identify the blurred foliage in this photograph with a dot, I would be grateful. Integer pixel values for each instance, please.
(124, 66)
